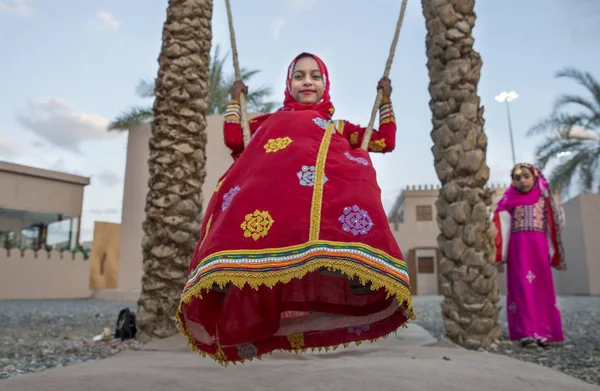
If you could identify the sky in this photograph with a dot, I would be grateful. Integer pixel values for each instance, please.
(68, 67)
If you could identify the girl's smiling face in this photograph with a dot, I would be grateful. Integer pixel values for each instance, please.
(523, 180)
(307, 81)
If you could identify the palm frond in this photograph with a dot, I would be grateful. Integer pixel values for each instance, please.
(563, 174)
(586, 177)
(266, 107)
(552, 147)
(583, 78)
(565, 100)
(135, 115)
(557, 122)
(247, 74)
(218, 95)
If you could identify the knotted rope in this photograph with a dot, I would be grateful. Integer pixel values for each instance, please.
(386, 73)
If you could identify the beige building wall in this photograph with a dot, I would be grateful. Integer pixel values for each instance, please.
(43, 275)
(37, 190)
(582, 246)
(590, 205)
(134, 198)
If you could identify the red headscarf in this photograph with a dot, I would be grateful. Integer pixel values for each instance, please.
(324, 106)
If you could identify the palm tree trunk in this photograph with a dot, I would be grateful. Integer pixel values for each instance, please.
(177, 164)
(468, 276)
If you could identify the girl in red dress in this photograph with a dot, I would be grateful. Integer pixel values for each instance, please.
(296, 250)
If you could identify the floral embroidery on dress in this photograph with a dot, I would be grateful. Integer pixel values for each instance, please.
(358, 330)
(513, 307)
(354, 138)
(274, 145)
(247, 351)
(377, 145)
(228, 197)
(257, 224)
(356, 221)
(307, 176)
(530, 277)
(296, 340)
(320, 122)
(360, 160)
(528, 218)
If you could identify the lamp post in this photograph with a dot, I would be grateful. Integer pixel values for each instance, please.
(507, 97)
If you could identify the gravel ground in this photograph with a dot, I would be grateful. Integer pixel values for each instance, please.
(39, 335)
(579, 356)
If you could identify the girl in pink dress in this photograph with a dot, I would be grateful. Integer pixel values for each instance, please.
(529, 223)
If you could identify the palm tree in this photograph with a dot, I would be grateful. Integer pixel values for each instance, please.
(177, 164)
(219, 86)
(574, 140)
(469, 284)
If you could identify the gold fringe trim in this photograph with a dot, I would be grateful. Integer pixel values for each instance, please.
(317, 198)
(270, 279)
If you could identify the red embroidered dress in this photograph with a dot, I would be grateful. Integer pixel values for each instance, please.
(301, 196)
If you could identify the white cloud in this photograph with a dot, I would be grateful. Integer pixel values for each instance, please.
(276, 27)
(580, 131)
(302, 4)
(16, 7)
(7, 149)
(55, 121)
(108, 178)
(107, 21)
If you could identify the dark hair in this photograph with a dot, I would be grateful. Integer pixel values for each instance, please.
(303, 55)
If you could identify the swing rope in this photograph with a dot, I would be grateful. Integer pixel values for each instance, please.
(238, 76)
(243, 104)
(386, 73)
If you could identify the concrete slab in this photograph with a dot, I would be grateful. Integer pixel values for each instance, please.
(392, 364)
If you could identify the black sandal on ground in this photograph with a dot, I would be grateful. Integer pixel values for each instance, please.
(528, 343)
(543, 343)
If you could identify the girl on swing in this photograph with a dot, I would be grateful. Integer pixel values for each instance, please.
(295, 250)
(529, 222)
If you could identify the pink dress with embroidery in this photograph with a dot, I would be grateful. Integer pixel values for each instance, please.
(527, 241)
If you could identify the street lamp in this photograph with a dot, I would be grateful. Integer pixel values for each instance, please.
(507, 97)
